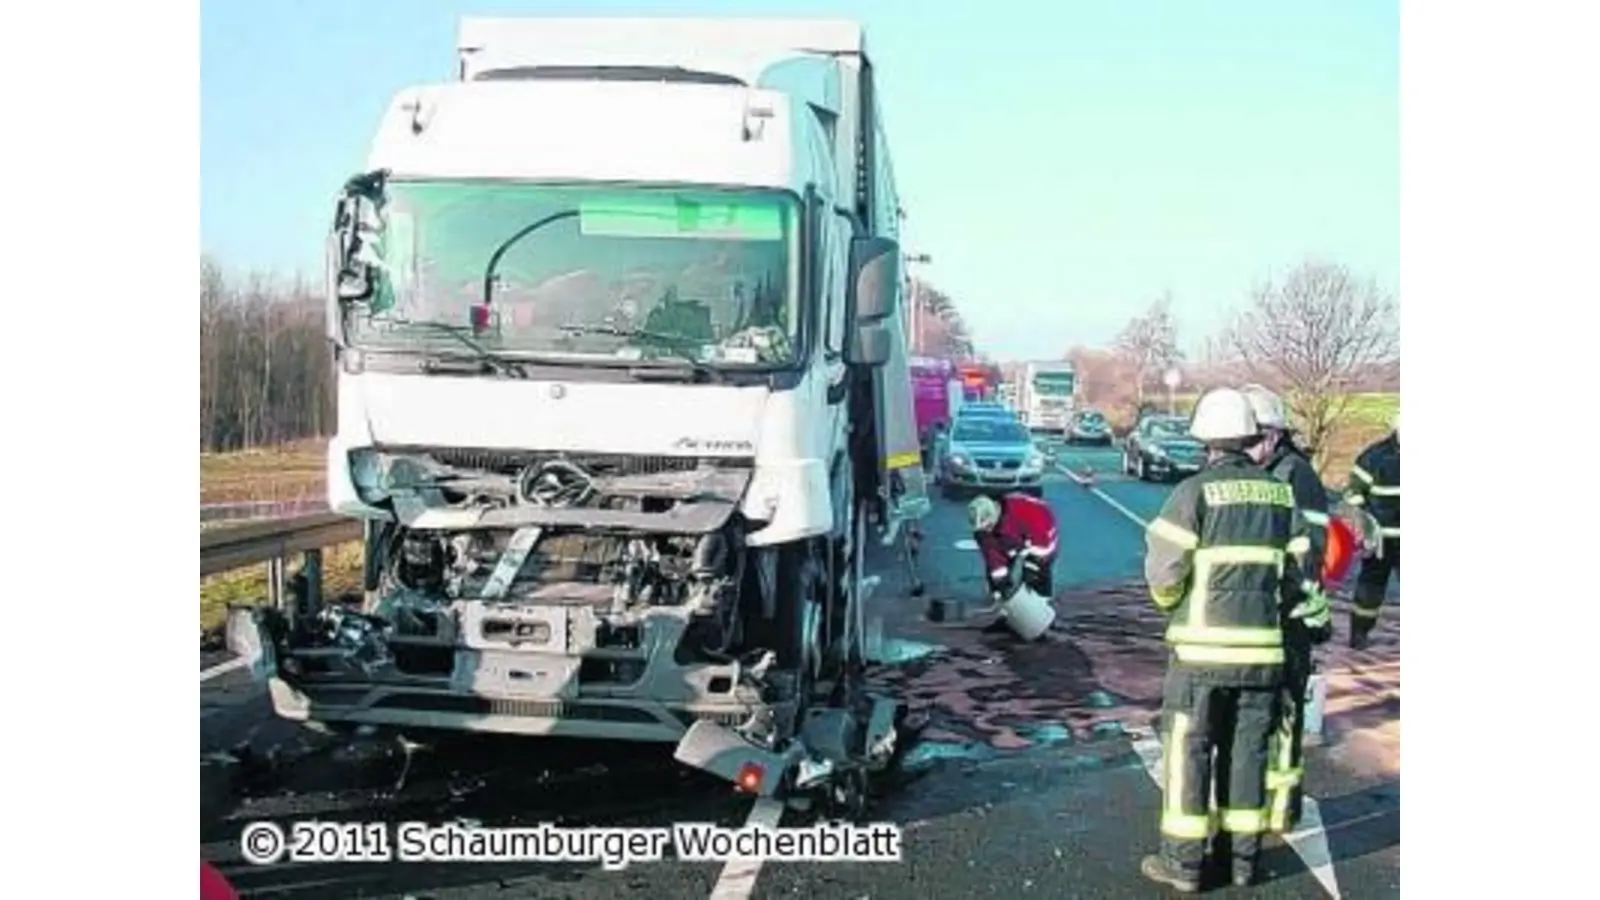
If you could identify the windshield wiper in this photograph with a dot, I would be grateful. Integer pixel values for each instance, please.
(490, 360)
(698, 368)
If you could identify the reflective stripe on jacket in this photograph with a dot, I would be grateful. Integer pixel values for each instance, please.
(1225, 557)
(1375, 484)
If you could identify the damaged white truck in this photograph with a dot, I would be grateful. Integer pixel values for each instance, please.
(622, 397)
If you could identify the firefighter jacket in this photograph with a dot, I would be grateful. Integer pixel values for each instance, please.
(1224, 558)
(1025, 523)
(1375, 484)
(1290, 466)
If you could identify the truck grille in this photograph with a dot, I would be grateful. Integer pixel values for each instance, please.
(512, 461)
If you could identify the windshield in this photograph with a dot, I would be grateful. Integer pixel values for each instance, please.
(995, 431)
(711, 275)
(1093, 418)
(1169, 428)
(1053, 385)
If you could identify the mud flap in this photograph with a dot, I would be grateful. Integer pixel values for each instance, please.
(722, 752)
(248, 637)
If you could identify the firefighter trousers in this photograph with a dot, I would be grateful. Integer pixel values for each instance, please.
(1286, 750)
(1372, 583)
(1235, 723)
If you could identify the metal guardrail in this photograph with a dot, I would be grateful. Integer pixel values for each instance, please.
(273, 542)
(259, 510)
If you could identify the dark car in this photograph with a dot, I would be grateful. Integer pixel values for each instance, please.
(1088, 426)
(1160, 447)
(990, 454)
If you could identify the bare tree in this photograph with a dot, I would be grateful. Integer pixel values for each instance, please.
(1314, 335)
(944, 332)
(1150, 343)
(266, 373)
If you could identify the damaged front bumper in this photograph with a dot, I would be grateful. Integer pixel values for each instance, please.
(720, 723)
(507, 689)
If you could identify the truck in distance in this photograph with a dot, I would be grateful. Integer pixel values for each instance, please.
(1046, 394)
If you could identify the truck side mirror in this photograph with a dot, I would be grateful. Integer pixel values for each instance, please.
(874, 290)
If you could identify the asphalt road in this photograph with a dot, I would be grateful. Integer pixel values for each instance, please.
(1032, 777)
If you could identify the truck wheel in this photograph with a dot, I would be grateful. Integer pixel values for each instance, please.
(794, 632)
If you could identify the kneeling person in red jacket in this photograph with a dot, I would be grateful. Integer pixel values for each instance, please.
(1015, 525)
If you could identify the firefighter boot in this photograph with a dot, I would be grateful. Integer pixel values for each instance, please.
(1162, 871)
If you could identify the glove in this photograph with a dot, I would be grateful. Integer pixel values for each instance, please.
(1313, 612)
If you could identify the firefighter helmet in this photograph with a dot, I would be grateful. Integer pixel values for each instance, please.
(1267, 406)
(983, 512)
(1223, 414)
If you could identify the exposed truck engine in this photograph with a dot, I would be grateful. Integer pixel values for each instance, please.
(623, 395)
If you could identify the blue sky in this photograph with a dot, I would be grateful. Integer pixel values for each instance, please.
(1064, 164)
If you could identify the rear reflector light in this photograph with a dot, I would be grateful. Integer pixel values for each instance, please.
(750, 777)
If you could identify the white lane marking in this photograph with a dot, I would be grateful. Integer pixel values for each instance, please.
(1310, 841)
(966, 544)
(738, 878)
(1111, 501)
(221, 668)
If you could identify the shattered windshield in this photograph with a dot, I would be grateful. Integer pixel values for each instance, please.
(586, 272)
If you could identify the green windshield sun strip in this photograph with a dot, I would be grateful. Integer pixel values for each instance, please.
(676, 218)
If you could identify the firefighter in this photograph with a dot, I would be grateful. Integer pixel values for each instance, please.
(1224, 557)
(1375, 486)
(1288, 463)
(1016, 525)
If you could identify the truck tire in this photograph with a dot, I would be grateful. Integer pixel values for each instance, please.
(800, 615)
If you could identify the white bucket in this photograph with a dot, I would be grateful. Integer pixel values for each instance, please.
(1028, 614)
(1316, 696)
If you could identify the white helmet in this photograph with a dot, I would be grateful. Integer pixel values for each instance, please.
(1267, 406)
(983, 512)
(1223, 414)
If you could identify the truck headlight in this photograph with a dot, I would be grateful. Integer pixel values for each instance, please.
(1157, 452)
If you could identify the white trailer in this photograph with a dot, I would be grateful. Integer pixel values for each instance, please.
(623, 395)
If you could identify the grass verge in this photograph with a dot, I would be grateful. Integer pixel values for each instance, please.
(291, 472)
